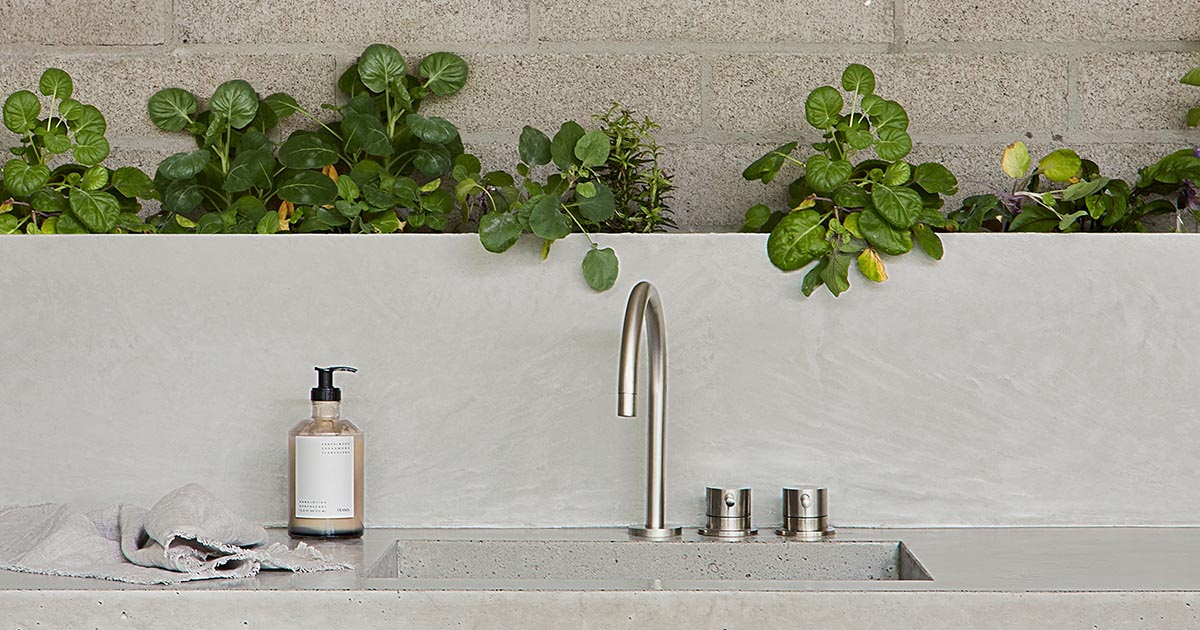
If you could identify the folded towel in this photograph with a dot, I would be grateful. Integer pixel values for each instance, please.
(187, 535)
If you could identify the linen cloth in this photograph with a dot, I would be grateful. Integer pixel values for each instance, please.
(188, 535)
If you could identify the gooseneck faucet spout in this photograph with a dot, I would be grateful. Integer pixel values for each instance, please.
(643, 298)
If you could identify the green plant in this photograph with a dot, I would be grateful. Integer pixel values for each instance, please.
(1065, 193)
(641, 187)
(840, 211)
(396, 159)
(72, 197)
(232, 182)
(573, 197)
(1192, 78)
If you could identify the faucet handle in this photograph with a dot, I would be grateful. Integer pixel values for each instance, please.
(806, 513)
(728, 512)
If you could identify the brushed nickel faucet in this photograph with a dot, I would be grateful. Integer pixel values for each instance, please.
(645, 297)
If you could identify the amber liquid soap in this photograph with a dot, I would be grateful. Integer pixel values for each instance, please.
(325, 468)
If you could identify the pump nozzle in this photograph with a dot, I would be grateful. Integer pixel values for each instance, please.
(325, 391)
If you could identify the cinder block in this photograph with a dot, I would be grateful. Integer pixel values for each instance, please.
(424, 21)
(1138, 90)
(261, 22)
(75, 23)
(120, 85)
(351, 22)
(506, 92)
(710, 193)
(790, 21)
(970, 93)
(936, 21)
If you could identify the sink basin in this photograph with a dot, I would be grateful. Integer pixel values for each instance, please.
(683, 560)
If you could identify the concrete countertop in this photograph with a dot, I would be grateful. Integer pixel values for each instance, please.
(984, 579)
(967, 559)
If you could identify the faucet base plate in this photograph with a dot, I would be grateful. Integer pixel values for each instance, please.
(655, 533)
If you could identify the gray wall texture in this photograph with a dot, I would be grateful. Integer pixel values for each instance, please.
(1025, 380)
(727, 80)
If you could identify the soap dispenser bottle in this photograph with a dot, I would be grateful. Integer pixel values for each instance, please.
(326, 467)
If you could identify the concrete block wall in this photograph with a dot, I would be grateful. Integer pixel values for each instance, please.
(727, 80)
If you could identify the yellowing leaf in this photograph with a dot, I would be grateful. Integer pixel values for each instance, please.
(330, 172)
(6, 207)
(808, 202)
(286, 210)
(871, 265)
(1015, 161)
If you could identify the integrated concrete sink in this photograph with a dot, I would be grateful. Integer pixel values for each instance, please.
(768, 559)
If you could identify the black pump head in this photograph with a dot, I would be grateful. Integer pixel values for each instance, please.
(325, 391)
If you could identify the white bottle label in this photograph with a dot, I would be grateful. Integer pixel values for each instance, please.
(324, 477)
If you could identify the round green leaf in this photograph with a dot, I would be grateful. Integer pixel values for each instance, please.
(48, 200)
(434, 129)
(250, 208)
(94, 178)
(68, 109)
(250, 169)
(600, 206)
(56, 143)
(282, 105)
(22, 180)
(498, 231)
(888, 114)
(897, 174)
(850, 196)
(21, 111)
(767, 166)
(600, 268)
(66, 224)
(381, 66)
(858, 78)
(593, 148)
(798, 239)
(859, 138)
(182, 195)
(445, 73)
(882, 236)
(268, 223)
(307, 188)
(1062, 165)
(172, 109)
(824, 174)
(90, 148)
(235, 101)
(823, 108)
(89, 120)
(929, 241)
(756, 218)
(562, 148)
(307, 150)
(98, 211)
(56, 84)
(892, 144)
(133, 183)
(871, 103)
(534, 147)
(1192, 77)
(546, 220)
(366, 133)
(432, 160)
(901, 207)
(184, 165)
(935, 178)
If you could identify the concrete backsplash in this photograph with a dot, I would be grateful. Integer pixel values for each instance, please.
(1024, 380)
(727, 80)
